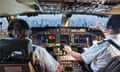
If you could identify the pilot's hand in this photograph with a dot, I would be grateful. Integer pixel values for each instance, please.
(67, 49)
(59, 69)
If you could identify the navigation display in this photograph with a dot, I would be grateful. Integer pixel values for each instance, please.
(64, 39)
(89, 39)
(82, 38)
(77, 38)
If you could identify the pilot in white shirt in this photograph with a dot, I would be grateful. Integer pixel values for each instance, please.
(100, 53)
(113, 50)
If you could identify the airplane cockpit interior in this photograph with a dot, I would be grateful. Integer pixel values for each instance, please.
(54, 23)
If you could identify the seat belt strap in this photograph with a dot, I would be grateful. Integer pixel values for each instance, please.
(113, 43)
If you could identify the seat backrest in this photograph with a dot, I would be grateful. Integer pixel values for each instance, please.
(15, 55)
(10, 47)
(113, 65)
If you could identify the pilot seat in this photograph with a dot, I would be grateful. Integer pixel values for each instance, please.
(16, 55)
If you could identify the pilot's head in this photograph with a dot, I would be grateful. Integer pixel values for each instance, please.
(113, 24)
(18, 28)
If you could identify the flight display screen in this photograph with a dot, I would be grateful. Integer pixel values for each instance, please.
(83, 38)
(89, 39)
(42, 38)
(77, 38)
(51, 38)
(64, 39)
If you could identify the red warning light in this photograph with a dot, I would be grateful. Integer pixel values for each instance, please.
(51, 37)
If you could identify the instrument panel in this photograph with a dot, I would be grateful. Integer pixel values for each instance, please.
(50, 36)
(77, 37)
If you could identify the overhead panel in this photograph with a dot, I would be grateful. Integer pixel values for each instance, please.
(73, 6)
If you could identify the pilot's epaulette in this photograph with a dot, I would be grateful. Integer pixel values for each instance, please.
(100, 42)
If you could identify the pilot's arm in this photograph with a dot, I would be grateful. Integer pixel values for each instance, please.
(50, 64)
(89, 55)
(69, 51)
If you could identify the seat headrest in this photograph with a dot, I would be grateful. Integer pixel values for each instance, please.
(7, 46)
